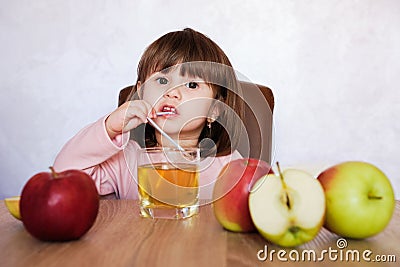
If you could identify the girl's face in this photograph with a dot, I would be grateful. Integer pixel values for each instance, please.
(188, 99)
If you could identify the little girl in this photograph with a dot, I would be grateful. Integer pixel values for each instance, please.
(188, 78)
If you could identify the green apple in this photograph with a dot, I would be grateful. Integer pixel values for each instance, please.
(288, 209)
(359, 199)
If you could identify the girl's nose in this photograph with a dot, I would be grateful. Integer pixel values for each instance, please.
(174, 92)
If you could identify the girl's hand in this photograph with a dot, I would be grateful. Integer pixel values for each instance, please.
(128, 116)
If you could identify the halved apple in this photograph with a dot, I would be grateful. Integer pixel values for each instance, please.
(12, 204)
(288, 209)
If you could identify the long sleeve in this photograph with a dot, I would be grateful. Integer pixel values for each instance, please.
(92, 151)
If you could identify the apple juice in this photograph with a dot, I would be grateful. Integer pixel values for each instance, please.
(168, 186)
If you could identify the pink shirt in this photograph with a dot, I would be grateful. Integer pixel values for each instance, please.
(112, 163)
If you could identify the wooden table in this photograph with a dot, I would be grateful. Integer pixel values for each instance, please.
(120, 237)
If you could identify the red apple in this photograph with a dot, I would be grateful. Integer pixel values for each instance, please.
(231, 193)
(59, 206)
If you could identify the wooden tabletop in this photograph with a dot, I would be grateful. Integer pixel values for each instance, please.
(120, 237)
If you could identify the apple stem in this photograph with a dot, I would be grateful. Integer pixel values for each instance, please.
(286, 196)
(281, 175)
(53, 172)
(374, 197)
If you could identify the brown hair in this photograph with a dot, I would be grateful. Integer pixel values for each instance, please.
(191, 47)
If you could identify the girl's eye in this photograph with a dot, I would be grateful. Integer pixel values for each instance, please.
(162, 80)
(192, 85)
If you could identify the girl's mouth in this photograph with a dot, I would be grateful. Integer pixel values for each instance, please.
(167, 111)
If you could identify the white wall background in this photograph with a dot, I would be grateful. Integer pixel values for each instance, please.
(334, 67)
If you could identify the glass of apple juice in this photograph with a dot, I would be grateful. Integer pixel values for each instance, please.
(168, 182)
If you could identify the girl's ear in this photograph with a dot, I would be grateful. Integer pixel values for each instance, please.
(214, 111)
(139, 89)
